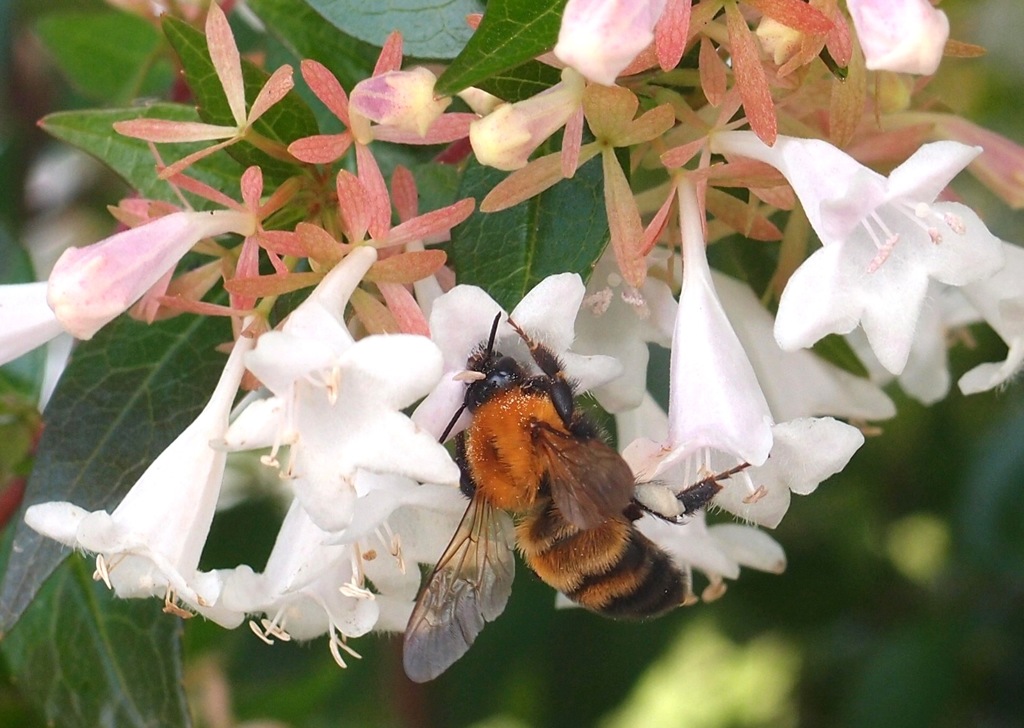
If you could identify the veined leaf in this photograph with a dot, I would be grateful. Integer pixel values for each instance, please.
(110, 56)
(511, 33)
(125, 395)
(563, 229)
(308, 36)
(92, 132)
(521, 82)
(435, 29)
(86, 659)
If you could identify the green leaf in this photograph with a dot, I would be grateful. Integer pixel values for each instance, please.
(522, 82)
(564, 229)
(437, 184)
(17, 267)
(434, 29)
(109, 56)
(287, 120)
(837, 350)
(92, 132)
(511, 33)
(125, 395)
(306, 34)
(87, 659)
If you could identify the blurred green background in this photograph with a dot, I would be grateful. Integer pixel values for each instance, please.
(903, 603)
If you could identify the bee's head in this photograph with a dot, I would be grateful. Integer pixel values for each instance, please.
(499, 371)
(494, 372)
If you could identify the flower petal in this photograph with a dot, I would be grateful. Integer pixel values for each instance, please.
(28, 322)
(715, 400)
(805, 452)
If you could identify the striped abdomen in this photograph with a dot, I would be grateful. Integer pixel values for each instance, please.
(611, 569)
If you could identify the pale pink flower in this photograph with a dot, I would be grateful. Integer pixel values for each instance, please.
(402, 100)
(883, 240)
(150, 544)
(718, 416)
(338, 403)
(1000, 301)
(91, 286)
(906, 36)
(599, 38)
(716, 402)
(27, 320)
(506, 137)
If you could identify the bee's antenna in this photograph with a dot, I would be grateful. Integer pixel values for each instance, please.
(490, 350)
(448, 429)
(731, 471)
(494, 334)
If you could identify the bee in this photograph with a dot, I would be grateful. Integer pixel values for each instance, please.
(529, 451)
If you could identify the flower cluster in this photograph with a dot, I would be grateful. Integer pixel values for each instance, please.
(347, 395)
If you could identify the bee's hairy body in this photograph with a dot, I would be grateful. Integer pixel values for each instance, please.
(499, 452)
(610, 568)
(529, 451)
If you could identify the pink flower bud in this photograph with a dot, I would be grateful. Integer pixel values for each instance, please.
(507, 136)
(400, 99)
(91, 286)
(778, 40)
(599, 38)
(906, 36)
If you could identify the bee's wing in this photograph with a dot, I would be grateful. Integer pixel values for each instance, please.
(590, 482)
(469, 587)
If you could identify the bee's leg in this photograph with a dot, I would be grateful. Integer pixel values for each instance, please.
(699, 495)
(661, 502)
(656, 499)
(561, 390)
(690, 500)
(466, 483)
(635, 510)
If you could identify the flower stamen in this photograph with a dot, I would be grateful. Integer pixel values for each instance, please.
(393, 542)
(883, 253)
(271, 629)
(102, 573)
(275, 627)
(689, 598)
(171, 606)
(714, 590)
(355, 586)
(759, 493)
(256, 630)
(337, 644)
(332, 384)
(955, 223)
